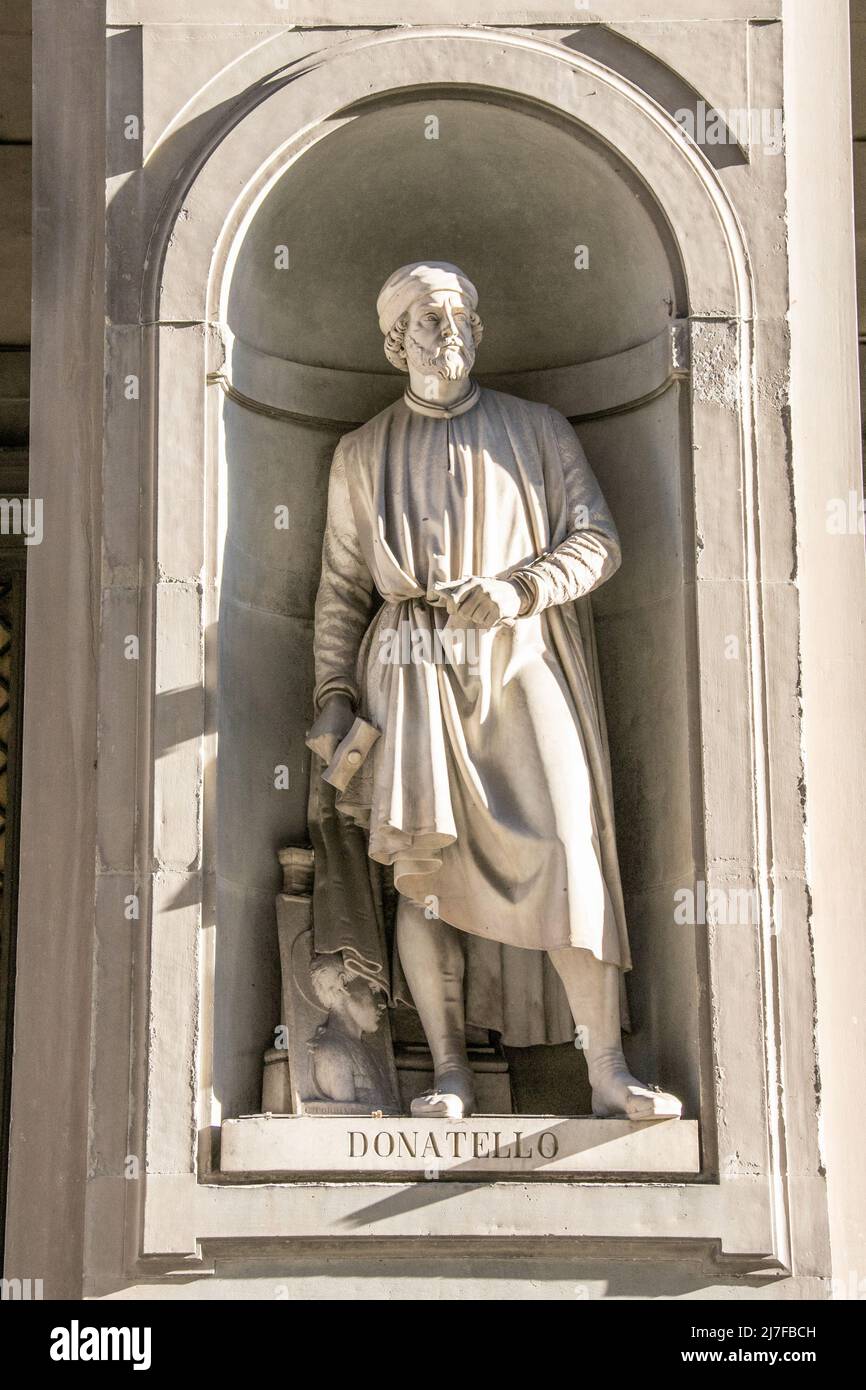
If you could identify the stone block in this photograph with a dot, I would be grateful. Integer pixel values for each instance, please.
(280, 1146)
(121, 478)
(183, 477)
(118, 748)
(387, 12)
(178, 727)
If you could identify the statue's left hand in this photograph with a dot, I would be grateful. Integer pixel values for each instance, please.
(485, 602)
(331, 726)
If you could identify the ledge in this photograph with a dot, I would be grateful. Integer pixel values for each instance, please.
(337, 399)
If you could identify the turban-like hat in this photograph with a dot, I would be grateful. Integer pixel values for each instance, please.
(411, 282)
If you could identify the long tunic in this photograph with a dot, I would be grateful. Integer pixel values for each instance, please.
(489, 789)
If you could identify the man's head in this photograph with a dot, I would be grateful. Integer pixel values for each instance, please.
(346, 995)
(427, 314)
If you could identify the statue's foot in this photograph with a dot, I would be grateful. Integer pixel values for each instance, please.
(616, 1094)
(453, 1097)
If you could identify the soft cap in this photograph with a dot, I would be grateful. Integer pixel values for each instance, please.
(411, 282)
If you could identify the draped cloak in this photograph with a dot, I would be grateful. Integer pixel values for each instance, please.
(489, 790)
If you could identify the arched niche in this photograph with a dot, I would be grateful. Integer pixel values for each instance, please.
(580, 280)
(713, 783)
(509, 188)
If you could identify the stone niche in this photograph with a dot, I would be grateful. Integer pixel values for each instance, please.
(583, 299)
(260, 347)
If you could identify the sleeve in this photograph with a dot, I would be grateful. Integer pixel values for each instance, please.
(590, 553)
(344, 601)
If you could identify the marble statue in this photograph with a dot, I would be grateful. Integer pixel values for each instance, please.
(464, 529)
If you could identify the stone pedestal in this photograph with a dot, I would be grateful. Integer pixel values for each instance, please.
(282, 1146)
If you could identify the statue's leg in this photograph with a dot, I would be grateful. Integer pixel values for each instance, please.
(592, 987)
(431, 955)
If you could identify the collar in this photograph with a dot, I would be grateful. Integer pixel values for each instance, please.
(442, 412)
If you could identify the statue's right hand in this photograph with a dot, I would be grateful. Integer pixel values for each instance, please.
(333, 722)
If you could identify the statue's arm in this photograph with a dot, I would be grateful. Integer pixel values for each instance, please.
(590, 553)
(345, 597)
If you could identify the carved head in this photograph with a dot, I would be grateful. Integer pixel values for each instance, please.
(427, 314)
(347, 996)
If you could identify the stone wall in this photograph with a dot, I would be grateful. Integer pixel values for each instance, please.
(251, 132)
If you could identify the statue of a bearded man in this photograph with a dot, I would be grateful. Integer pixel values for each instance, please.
(474, 521)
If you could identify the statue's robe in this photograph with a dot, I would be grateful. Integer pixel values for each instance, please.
(489, 789)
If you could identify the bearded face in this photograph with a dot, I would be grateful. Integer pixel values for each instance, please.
(439, 340)
(451, 361)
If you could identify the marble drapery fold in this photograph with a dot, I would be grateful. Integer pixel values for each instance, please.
(490, 789)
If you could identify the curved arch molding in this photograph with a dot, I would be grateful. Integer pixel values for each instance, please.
(196, 235)
(339, 400)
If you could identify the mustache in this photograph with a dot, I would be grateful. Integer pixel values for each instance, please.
(450, 358)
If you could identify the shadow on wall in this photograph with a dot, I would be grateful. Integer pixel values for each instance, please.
(665, 86)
